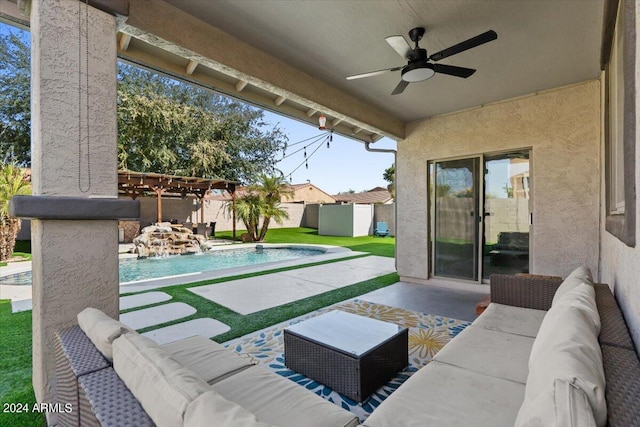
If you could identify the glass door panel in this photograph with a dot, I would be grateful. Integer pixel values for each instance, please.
(455, 233)
(506, 214)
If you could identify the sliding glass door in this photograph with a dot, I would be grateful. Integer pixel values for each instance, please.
(455, 212)
(507, 214)
(480, 216)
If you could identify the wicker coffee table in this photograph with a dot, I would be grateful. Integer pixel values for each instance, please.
(353, 355)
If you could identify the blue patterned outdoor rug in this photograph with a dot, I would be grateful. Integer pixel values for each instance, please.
(427, 335)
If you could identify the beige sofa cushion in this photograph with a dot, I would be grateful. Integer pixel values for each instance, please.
(564, 406)
(441, 395)
(276, 400)
(493, 353)
(210, 409)
(582, 297)
(101, 329)
(510, 319)
(209, 360)
(580, 275)
(567, 348)
(163, 387)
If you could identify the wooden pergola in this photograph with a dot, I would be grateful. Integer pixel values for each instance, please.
(135, 184)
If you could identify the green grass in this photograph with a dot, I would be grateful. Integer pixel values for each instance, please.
(382, 246)
(15, 367)
(21, 249)
(15, 329)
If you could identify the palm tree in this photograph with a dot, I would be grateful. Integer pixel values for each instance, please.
(12, 182)
(248, 209)
(271, 189)
(262, 200)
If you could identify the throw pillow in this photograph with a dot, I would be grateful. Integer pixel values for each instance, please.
(101, 329)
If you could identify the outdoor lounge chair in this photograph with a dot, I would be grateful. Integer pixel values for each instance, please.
(382, 230)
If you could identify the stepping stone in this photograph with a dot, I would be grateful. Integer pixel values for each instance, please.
(156, 315)
(147, 298)
(23, 305)
(205, 327)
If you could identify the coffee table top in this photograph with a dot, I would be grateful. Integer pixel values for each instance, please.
(345, 331)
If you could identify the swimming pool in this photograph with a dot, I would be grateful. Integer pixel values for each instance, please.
(132, 270)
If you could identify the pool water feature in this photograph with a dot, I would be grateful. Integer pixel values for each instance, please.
(132, 270)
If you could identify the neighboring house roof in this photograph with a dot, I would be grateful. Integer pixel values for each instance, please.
(376, 195)
(305, 192)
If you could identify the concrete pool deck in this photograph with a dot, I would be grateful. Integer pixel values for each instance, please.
(20, 295)
(242, 295)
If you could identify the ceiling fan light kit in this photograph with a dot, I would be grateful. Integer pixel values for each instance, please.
(417, 72)
(418, 67)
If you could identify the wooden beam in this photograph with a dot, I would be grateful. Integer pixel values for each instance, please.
(241, 85)
(166, 27)
(191, 67)
(279, 100)
(311, 112)
(125, 39)
(357, 130)
(336, 122)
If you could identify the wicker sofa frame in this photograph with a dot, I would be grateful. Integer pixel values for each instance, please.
(100, 398)
(620, 358)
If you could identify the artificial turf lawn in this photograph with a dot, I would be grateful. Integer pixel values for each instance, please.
(15, 368)
(382, 246)
(15, 329)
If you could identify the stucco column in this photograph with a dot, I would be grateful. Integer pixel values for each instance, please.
(73, 111)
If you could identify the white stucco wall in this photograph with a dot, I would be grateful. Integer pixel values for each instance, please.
(562, 128)
(621, 263)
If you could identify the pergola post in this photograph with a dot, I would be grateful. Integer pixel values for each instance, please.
(159, 191)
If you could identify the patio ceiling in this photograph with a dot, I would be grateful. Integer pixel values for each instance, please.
(541, 45)
(293, 56)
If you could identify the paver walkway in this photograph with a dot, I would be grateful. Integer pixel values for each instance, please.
(254, 294)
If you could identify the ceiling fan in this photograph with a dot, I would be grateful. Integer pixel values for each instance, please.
(418, 67)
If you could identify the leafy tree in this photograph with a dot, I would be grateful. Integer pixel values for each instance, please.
(389, 175)
(206, 134)
(164, 125)
(15, 99)
(12, 182)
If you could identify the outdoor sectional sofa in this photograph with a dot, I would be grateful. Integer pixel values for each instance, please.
(544, 353)
(113, 376)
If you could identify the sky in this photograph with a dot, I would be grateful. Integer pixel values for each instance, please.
(345, 166)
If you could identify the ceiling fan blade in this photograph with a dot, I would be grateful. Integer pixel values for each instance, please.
(453, 70)
(465, 45)
(400, 88)
(400, 45)
(373, 73)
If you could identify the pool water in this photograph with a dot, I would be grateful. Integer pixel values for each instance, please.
(151, 268)
(132, 270)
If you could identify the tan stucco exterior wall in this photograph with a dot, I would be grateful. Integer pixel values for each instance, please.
(310, 194)
(562, 128)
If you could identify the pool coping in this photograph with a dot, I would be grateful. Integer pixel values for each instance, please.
(330, 253)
